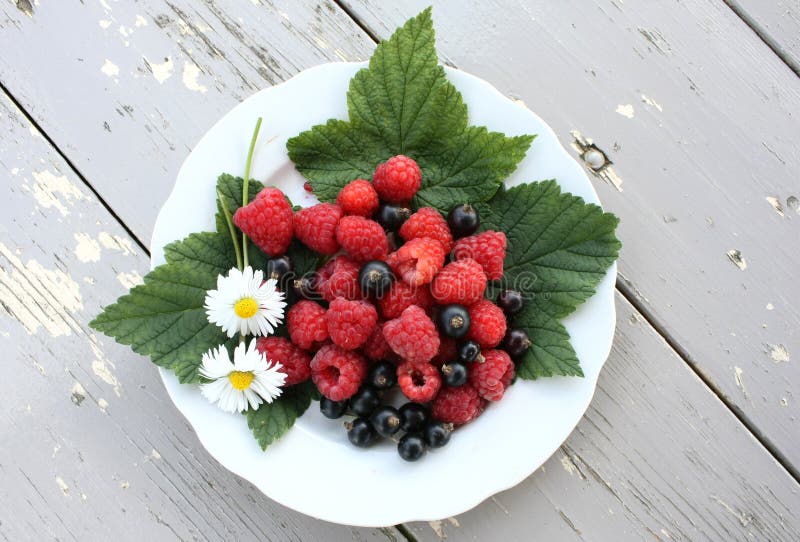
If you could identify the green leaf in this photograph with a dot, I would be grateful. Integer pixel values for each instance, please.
(271, 421)
(164, 318)
(559, 248)
(404, 104)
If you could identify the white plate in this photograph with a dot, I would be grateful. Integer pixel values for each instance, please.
(313, 469)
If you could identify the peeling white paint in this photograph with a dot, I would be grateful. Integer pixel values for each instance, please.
(321, 43)
(56, 448)
(162, 71)
(569, 466)
(100, 366)
(38, 297)
(39, 368)
(652, 103)
(110, 69)
(454, 522)
(500, 506)
(105, 5)
(190, 74)
(104, 23)
(14, 170)
(626, 110)
(154, 454)
(776, 204)
(436, 527)
(784, 402)
(124, 485)
(77, 393)
(129, 280)
(87, 250)
(102, 404)
(115, 242)
(62, 485)
(140, 21)
(184, 28)
(51, 190)
(736, 257)
(779, 353)
(738, 374)
(770, 306)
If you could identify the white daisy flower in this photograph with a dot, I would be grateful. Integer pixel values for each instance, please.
(243, 302)
(250, 379)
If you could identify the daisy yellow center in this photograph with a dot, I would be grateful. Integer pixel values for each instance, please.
(246, 307)
(241, 380)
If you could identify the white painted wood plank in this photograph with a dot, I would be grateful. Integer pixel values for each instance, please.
(778, 22)
(656, 457)
(699, 118)
(92, 447)
(126, 89)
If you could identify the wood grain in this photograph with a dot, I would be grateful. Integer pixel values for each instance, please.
(698, 117)
(777, 23)
(92, 446)
(656, 457)
(125, 89)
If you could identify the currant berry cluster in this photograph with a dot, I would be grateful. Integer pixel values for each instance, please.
(400, 303)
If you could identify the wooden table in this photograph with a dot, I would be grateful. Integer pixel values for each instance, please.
(693, 433)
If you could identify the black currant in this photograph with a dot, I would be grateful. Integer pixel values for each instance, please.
(463, 220)
(360, 432)
(332, 409)
(386, 421)
(469, 351)
(516, 342)
(454, 374)
(437, 434)
(305, 287)
(453, 320)
(375, 278)
(365, 401)
(382, 375)
(411, 447)
(279, 268)
(510, 301)
(391, 217)
(413, 417)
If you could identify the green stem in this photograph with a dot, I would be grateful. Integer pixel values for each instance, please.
(246, 182)
(227, 212)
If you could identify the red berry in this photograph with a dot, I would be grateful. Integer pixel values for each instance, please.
(338, 373)
(398, 179)
(358, 198)
(267, 221)
(487, 324)
(307, 326)
(462, 282)
(493, 376)
(412, 336)
(418, 261)
(457, 405)
(376, 348)
(448, 351)
(487, 248)
(427, 222)
(316, 227)
(338, 278)
(296, 362)
(307, 187)
(401, 296)
(350, 323)
(362, 239)
(420, 382)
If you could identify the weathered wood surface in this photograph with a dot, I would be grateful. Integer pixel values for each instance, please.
(699, 118)
(778, 24)
(92, 447)
(656, 448)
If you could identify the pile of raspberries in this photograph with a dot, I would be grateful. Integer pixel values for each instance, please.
(399, 303)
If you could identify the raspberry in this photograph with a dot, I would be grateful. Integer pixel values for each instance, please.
(457, 405)
(397, 179)
(418, 261)
(350, 323)
(267, 221)
(419, 382)
(307, 187)
(307, 326)
(338, 373)
(487, 324)
(401, 296)
(448, 351)
(338, 278)
(358, 198)
(363, 239)
(427, 222)
(296, 362)
(493, 376)
(376, 348)
(487, 248)
(412, 336)
(316, 227)
(462, 282)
